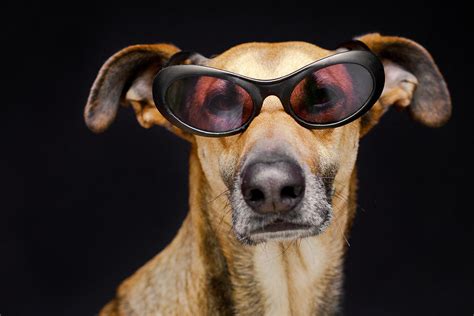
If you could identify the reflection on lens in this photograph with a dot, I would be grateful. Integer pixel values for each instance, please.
(209, 103)
(332, 94)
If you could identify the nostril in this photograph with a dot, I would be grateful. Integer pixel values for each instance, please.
(288, 192)
(256, 195)
(291, 192)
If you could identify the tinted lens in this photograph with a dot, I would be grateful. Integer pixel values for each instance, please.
(332, 94)
(209, 103)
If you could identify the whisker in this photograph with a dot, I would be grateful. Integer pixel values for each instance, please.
(227, 209)
(218, 196)
(347, 241)
(347, 199)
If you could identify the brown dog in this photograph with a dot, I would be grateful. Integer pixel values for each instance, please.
(219, 263)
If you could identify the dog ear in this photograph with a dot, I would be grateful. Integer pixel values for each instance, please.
(126, 79)
(412, 81)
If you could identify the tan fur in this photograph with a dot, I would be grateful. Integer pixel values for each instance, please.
(205, 270)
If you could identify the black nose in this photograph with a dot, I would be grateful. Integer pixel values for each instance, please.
(276, 186)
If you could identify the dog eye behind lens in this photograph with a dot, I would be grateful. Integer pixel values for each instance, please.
(322, 97)
(332, 93)
(209, 103)
(219, 102)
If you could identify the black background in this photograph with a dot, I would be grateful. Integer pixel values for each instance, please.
(80, 212)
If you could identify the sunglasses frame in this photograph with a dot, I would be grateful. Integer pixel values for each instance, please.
(358, 53)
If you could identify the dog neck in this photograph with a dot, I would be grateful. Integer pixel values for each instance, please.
(298, 277)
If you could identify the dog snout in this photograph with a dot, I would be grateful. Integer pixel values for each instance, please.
(276, 186)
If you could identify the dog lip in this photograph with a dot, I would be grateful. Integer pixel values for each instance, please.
(278, 226)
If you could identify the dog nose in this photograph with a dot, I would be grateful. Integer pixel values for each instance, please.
(273, 187)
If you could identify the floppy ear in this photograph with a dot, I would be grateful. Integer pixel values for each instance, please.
(126, 79)
(412, 81)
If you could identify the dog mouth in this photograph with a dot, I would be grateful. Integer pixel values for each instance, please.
(281, 230)
(279, 226)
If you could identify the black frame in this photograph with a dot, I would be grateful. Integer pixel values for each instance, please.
(357, 53)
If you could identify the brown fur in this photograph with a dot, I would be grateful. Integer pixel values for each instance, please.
(206, 270)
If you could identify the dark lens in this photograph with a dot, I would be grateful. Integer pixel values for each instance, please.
(209, 103)
(332, 94)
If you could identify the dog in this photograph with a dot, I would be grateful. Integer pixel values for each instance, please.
(222, 261)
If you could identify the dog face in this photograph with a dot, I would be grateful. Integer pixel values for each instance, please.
(279, 174)
(281, 179)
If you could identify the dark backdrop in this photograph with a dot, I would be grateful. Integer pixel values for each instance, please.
(80, 212)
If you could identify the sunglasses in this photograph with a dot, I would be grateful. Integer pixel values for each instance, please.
(327, 93)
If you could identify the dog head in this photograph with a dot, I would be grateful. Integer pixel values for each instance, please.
(281, 178)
